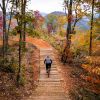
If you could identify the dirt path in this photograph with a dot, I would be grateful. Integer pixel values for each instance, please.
(51, 88)
(48, 88)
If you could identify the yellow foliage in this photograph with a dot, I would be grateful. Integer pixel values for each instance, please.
(96, 70)
(61, 20)
(91, 69)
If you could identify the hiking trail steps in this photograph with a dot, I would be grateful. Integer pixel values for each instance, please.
(49, 88)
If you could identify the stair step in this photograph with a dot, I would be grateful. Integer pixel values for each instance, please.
(52, 68)
(43, 65)
(51, 73)
(46, 54)
(50, 80)
(51, 84)
(51, 76)
(49, 89)
(48, 98)
(48, 94)
(43, 50)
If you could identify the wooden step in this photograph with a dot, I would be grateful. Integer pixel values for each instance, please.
(48, 98)
(43, 65)
(50, 80)
(52, 71)
(50, 77)
(50, 84)
(52, 68)
(42, 57)
(49, 89)
(48, 94)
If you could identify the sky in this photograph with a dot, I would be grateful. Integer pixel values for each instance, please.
(46, 6)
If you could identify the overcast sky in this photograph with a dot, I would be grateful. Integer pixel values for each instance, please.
(46, 6)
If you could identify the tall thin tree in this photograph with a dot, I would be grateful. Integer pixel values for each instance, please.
(69, 27)
(24, 14)
(91, 29)
(4, 28)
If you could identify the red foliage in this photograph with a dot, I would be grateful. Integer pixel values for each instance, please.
(50, 28)
(38, 18)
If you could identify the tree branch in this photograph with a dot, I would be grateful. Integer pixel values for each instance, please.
(1, 6)
(7, 3)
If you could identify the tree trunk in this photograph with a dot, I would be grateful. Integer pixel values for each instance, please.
(66, 51)
(5, 37)
(20, 44)
(69, 31)
(11, 13)
(20, 59)
(24, 9)
(91, 29)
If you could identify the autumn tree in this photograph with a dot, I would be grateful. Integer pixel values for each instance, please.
(69, 26)
(20, 7)
(94, 8)
(80, 8)
(61, 21)
(66, 50)
(38, 20)
(51, 23)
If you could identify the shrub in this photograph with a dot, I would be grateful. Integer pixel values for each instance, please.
(9, 66)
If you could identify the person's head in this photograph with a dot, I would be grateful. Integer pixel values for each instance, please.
(47, 56)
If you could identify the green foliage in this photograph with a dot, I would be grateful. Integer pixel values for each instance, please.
(9, 66)
(82, 51)
(13, 32)
(22, 79)
(53, 41)
(51, 18)
(34, 33)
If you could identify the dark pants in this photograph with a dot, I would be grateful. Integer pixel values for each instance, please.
(48, 66)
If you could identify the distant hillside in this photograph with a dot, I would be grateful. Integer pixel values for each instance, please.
(83, 24)
(57, 13)
(43, 14)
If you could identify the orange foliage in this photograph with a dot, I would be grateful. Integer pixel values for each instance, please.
(93, 70)
(90, 79)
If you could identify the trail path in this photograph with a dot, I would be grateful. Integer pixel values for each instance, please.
(48, 88)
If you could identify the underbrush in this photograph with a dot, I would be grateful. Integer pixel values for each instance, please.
(9, 66)
(88, 74)
(9, 88)
(85, 88)
(84, 94)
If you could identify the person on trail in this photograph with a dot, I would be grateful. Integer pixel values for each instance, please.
(48, 62)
